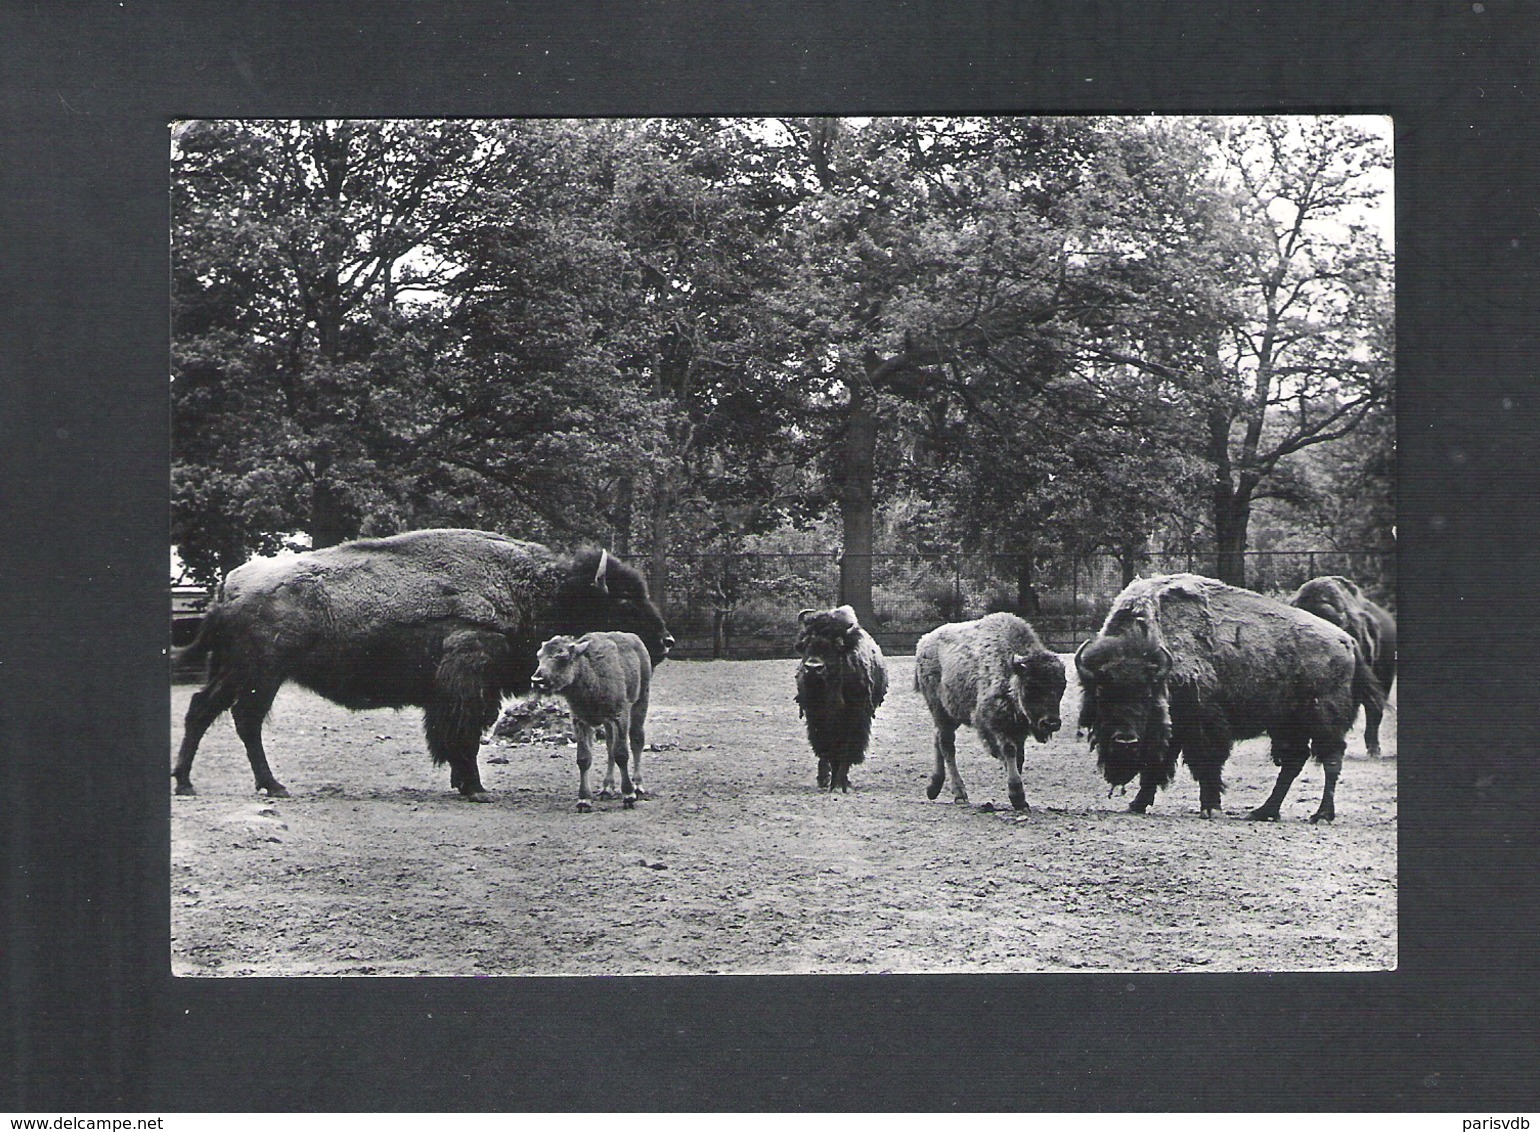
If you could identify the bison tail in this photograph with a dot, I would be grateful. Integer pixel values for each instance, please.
(202, 644)
(1366, 686)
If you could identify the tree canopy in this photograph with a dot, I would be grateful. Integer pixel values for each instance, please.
(1029, 335)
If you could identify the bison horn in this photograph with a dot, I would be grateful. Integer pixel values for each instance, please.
(1079, 666)
(1167, 659)
(599, 575)
(804, 615)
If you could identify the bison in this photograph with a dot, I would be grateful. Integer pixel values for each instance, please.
(604, 678)
(995, 675)
(447, 620)
(1341, 602)
(842, 679)
(1186, 665)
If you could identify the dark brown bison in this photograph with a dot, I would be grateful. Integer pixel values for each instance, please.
(994, 674)
(1340, 601)
(842, 680)
(604, 677)
(1185, 665)
(447, 620)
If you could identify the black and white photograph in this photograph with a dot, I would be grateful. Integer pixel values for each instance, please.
(647, 555)
(783, 545)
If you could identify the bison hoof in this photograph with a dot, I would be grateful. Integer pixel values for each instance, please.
(934, 789)
(478, 796)
(1262, 813)
(628, 803)
(1138, 807)
(184, 788)
(584, 806)
(1322, 817)
(276, 790)
(605, 795)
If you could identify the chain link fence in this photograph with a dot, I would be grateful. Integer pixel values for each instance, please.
(744, 606)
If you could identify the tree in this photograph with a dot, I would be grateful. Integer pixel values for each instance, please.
(293, 243)
(1269, 321)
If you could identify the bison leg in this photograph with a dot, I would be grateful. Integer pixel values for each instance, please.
(206, 706)
(249, 710)
(585, 759)
(946, 764)
(826, 773)
(464, 703)
(1149, 782)
(840, 775)
(1372, 717)
(618, 737)
(1290, 754)
(1329, 751)
(638, 741)
(1008, 752)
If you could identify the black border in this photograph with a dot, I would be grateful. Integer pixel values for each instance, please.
(93, 1020)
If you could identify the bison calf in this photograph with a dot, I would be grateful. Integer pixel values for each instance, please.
(1186, 665)
(842, 679)
(995, 675)
(604, 678)
(1341, 602)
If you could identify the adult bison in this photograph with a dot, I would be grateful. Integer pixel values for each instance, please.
(842, 680)
(995, 674)
(447, 620)
(1185, 665)
(1340, 601)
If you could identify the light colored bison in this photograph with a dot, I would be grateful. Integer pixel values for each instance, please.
(604, 677)
(842, 679)
(447, 620)
(995, 675)
(1186, 665)
(1340, 601)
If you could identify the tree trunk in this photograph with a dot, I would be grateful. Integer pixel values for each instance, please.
(620, 517)
(1026, 586)
(857, 509)
(331, 518)
(662, 541)
(1230, 504)
(1232, 516)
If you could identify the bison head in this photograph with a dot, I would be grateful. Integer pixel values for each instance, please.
(1124, 703)
(1337, 600)
(557, 666)
(602, 594)
(1037, 686)
(825, 644)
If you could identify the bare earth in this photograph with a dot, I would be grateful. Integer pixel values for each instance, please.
(737, 863)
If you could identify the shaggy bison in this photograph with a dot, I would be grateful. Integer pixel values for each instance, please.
(995, 675)
(1185, 665)
(448, 620)
(604, 678)
(842, 679)
(1341, 602)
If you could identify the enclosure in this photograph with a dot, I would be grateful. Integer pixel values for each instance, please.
(737, 863)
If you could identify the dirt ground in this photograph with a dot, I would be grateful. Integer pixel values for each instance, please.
(737, 863)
